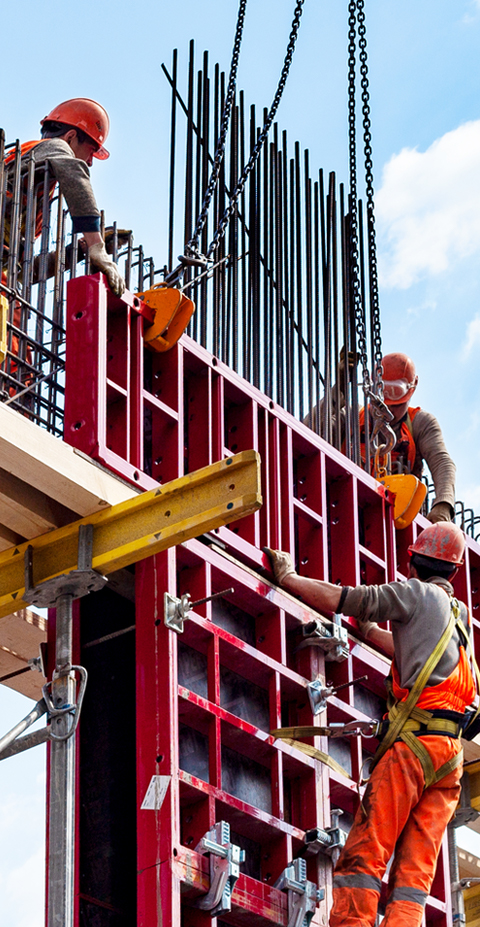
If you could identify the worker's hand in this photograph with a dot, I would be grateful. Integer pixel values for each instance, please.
(366, 627)
(103, 261)
(441, 511)
(282, 564)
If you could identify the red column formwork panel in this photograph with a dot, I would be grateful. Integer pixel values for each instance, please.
(207, 699)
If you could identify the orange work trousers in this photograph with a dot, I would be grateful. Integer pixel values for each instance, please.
(401, 818)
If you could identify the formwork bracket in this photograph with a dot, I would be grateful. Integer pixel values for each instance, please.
(303, 896)
(326, 841)
(330, 636)
(225, 859)
(176, 611)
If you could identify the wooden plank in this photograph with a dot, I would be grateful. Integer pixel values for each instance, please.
(27, 511)
(54, 468)
(20, 637)
(140, 527)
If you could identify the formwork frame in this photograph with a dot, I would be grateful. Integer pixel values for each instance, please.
(206, 701)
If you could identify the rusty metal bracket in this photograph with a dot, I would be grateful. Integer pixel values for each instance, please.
(303, 896)
(329, 841)
(225, 860)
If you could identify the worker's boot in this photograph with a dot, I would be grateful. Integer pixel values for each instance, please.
(282, 564)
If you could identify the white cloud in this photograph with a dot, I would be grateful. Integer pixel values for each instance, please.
(428, 208)
(472, 339)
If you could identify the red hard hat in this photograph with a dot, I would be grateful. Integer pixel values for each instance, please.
(399, 378)
(442, 541)
(86, 115)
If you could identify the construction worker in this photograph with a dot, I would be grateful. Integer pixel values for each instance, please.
(72, 135)
(415, 784)
(419, 437)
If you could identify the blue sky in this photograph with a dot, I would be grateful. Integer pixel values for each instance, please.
(425, 90)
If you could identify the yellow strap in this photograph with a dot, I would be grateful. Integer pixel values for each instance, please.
(317, 755)
(401, 711)
(449, 766)
(451, 728)
(422, 754)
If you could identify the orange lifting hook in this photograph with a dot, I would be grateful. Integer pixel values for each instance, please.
(408, 490)
(173, 312)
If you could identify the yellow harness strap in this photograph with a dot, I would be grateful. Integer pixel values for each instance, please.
(401, 714)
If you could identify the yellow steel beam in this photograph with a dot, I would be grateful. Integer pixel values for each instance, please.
(140, 527)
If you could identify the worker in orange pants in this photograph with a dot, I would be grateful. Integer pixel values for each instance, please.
(397, 815)
(415, 783)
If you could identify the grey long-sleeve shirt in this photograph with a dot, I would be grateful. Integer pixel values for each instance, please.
(419, 613)
(430, 447)
(73, 176)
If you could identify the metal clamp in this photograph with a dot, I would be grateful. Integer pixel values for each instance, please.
(329, 635)
(225, 860)
(318, 693)
(303, 896)
(176, 611)
(57, 711)
(329, 841)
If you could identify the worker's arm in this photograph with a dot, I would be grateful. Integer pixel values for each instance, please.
(324, 597)
(431, 445)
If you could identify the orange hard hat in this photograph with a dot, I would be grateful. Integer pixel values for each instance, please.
(399, 378)
(86, 115)
(442, 541)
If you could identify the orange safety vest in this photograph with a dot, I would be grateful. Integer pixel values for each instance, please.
(25, 148)
(405, 446)
(454, 693)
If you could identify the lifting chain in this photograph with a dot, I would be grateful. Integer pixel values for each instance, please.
(374, 394)
(220, 231)
(191, 247)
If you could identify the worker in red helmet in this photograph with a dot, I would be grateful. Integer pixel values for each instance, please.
(419, 437)
(415, 784)
(73, 134)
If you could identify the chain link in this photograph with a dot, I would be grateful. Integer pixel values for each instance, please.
(192, 245)
(353, 199)
(220, 231)
(372, 249)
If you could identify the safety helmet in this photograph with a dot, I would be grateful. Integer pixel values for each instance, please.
(86, 115)
(442, 541)
(399, 378)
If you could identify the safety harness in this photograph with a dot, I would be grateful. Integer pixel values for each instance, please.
(405, 721)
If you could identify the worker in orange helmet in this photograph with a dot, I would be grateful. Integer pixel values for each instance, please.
(73, 134)
(419, 437)
(415, 784)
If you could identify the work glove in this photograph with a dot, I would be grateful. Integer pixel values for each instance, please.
(365, 627)
(441, 511)
(103, 261)
(282, 564)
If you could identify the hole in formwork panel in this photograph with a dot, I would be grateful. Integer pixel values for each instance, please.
(246, 780)
(340, 750)
(244, 699)
(160, 376)
(307, 481)
(160, 432)
(117, 353)
(231, 618)
(192, 669)
(298, 796)
(117, 425)
(371, 521)
(309, 545)
(193, 752)
(340, 516)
